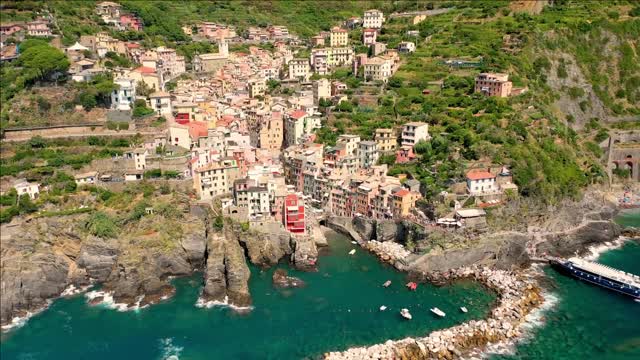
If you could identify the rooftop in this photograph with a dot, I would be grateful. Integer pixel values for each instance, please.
(470, 213)
(479, 175)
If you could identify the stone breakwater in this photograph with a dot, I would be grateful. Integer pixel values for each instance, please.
(387, 251)
(518, 295)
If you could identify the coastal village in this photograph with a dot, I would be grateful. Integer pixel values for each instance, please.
(254, 150)
(236, 144)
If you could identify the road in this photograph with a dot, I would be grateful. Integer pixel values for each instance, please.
(422, 12)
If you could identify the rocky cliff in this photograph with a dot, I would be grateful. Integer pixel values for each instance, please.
(41, 257)
(443, 251)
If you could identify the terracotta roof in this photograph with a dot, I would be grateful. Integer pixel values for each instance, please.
(478, 175)
(401, 193)
(298, 114)
(159, 94)
(197, 129)
(145, 70)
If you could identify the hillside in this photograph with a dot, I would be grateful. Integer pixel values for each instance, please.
(577, 60)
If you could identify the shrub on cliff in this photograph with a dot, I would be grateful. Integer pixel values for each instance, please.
(101, 225)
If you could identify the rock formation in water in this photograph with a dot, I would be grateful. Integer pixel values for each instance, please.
(282, 280)
(305, 253)
(215, 278)
(237, 273)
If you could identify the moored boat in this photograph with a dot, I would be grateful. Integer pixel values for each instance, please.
(464, 309)
(601, 275)
(412, 286)
(405, 314)
(438, 312)
(387, 283)
(383, 308)
(352, 252)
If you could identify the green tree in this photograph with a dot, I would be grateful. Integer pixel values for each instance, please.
(25, 205)
(41, 61)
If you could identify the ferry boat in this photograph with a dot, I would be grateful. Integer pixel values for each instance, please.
(601, 275)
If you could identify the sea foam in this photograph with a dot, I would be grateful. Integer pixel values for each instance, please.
(202, 303)
(108, 302)
(19, 321)
(597, 250)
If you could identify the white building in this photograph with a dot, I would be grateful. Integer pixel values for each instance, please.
(327, 58)
(321, 90)
(86, 178)
(299, 69)
(481, 182)
(139, 157)
(373, 19)
(294, 127)
(179, 136)
(258, 199)
(406, 47)
(123, 97)
(23, 187)
(161, 103)
(378, 69)
(133, 175)
(350, 143)
(368, 153)
(413, 132)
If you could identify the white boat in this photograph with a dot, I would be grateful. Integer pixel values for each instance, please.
(464, 309)
(387, 283)
(438, 312)
(383, 308)
(405, 314)
(352, 252)
(354, 242)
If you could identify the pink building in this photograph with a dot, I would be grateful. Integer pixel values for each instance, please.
(369, 36)
(9, 28)
(130, 21)
(215, 31)
(493, 84)
(38, 28)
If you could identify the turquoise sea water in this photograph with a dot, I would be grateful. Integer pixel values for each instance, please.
(589, 322)
(337, 309)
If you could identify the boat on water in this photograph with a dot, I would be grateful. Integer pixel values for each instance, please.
(438, 312)
(601, 275)
(352, 252)
(387, 283)
(405, 314)
(354, 242)
(412, 286)
(464, 310)
(383, 308)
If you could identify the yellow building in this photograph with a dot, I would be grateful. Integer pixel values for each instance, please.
(386, 140)
(403, 201)
(338, 37)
